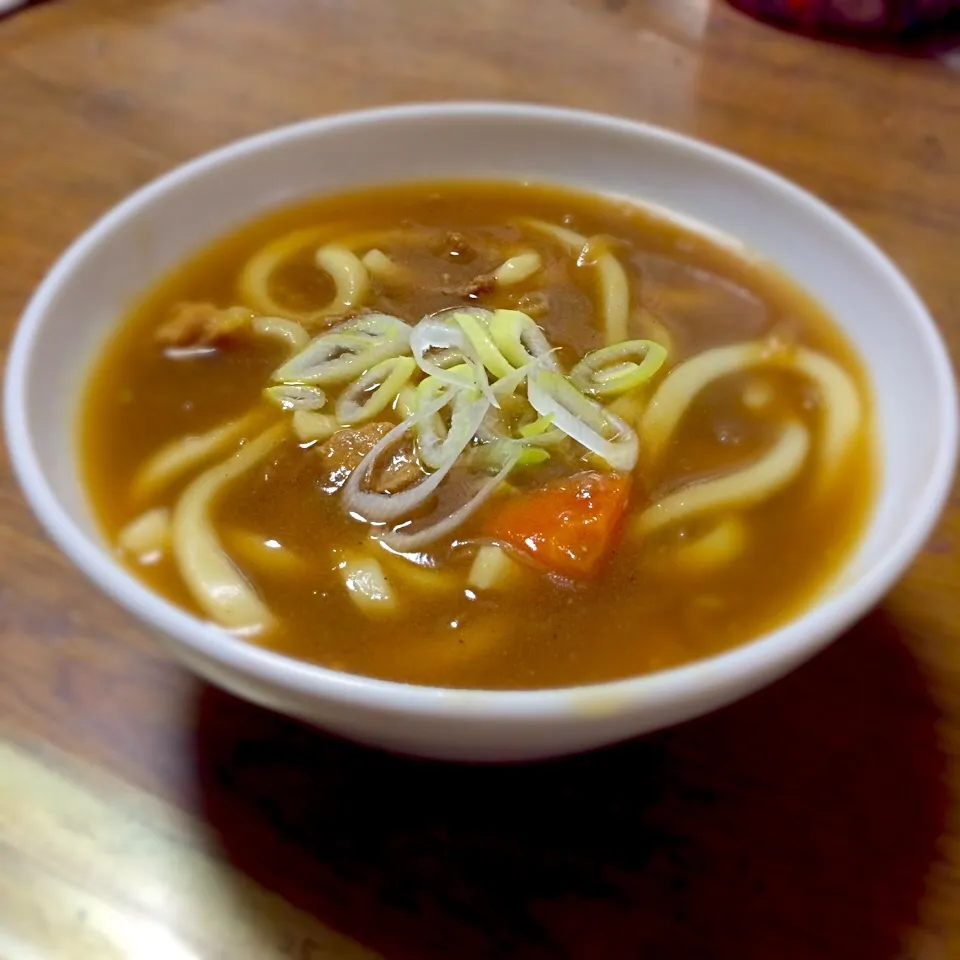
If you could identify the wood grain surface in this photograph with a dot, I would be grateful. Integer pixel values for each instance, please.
(146, 815)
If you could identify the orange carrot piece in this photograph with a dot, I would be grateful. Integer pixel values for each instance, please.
(568, 525)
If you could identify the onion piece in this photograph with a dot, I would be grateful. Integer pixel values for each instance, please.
(610, 371)
(584, 420)
(216, 584)
(388, 377)
(295, 396)
(385, 507)
(409, 537)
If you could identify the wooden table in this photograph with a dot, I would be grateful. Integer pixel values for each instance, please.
(144, 814)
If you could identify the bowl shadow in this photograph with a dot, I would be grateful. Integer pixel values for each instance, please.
(799, 823)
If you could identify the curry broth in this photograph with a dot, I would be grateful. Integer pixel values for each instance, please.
(642, 614)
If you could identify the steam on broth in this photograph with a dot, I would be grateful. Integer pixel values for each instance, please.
(480, 435)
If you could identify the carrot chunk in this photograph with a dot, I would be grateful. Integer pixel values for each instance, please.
(568, 525)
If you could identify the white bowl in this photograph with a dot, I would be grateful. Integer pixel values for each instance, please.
(86, 293)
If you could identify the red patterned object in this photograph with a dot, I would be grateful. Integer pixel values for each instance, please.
(867, 15)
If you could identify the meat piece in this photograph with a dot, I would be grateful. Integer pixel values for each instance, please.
(202, 324)
(456, 247)
(480, 284)
(345, 450)
(401, 470)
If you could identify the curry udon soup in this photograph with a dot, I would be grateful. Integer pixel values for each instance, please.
(480, 435)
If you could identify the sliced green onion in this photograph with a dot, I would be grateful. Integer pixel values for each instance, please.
(442, 332)
(483, 344)
(584, 420)
(539, 426)
(375, 507)
(496, 453)
(434, 439)
(378, 326)
(460, 377)
(414, 535)
(329, 359)
(407, 401)
(385, 379)
(295, 396)
(610, 371)
(343, 353)
(518, 338)
(530, 456)
(431, 432)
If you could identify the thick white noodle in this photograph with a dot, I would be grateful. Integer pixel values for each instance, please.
(746, 487)
(652, 328)
(723, 543)
(379, 265)
(366, 583)
(614, 288)
(518, 268)
(350, 278)
(286, 331)
(841, 411)
(349, 275)
(216, 584)
(146, 538)
(184, 454)
(614, 298)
